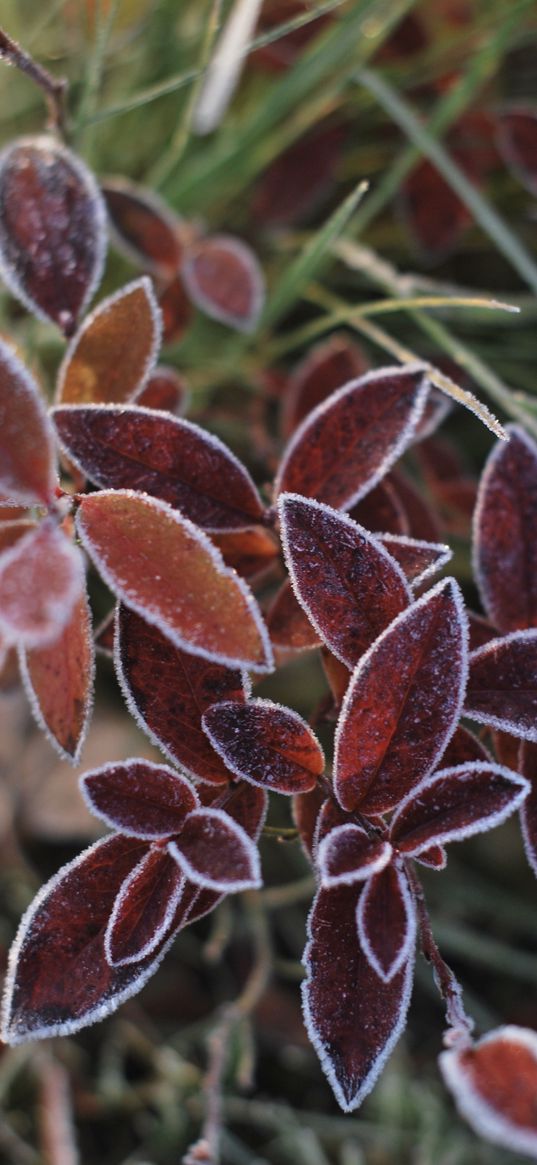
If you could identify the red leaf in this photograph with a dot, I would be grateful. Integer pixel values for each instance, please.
(418, 559)
(288, 625)
(502, 684)
(434, 214)
(223, 279)
(52, 229)
(41, 580)
(353, 1019)
(59, 681)
(306, 809)
(266, 744)
(505, 544)
(143, 227)
(517, 142)
(164, 389)
(147, 450)
(327, 367)
(481, 631)
(456, 803)
(435, 858)
(386, 919)
(143, 909)
(27, 454)
(464, 748)
(346, 445)
(422, 522)
(381, 510)
(139, 798)
(403, 703)
(110, 357)
(437, 407)
(348, 854)
(177, 311)
(301, 176)
(494, 1084)
(528, 810)
(349, 586)
(168, 571)
(168, 690)
(250, 552)
(215, 852)
(337, 674)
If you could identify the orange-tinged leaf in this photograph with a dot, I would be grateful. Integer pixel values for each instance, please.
(41, 579)
(250, 552)
(168, 571)
(164, 389)
(27, 458)
(142, 226)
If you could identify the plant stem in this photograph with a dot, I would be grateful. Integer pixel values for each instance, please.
(460, 1025)
(54, 88)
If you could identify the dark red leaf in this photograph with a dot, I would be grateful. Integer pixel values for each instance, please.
(517, 142)
(306, 809)
(506, 749)
(418, 559)
(527, 764)
(300, 177)
(250, 552)
(52, 229)
(348, 854)
(437, 407)
(349, 586)
(223, 279)
(502, 684)
(167, 570)
(330, 817)
(167, 457)
(139, 798)
(327, 367)
(168, 690)
(346, 445)
(288, 625)
(216, 852)
(494, 1083)
(381, 511)
(266, 744)
(435, 858)
(164, 389)
(435, 215)
(27, 454)
(505, 544)
(386, 919)
(353, 1019)
(481, 631)
(464, 748)
(109, 359)
(59, 681)
(337, 674)
(143, 226)
(283, 52)
(403, 703)
(144, 908)
(41, 580)
(177, 311)
(422, 522)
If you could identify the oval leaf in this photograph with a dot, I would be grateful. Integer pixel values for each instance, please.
(143, 227)
(290, 629)
(386, 920)
(528, 811)
(348, 854)
(250, 552)
(223, 279)
(27, 453)
(164, 389)
(418, 559)
(143, 909)
(52, 229)
(41, 580)
(502, 684)
(139, 798)
(266, 744)
(216, 852)
(381, 510)
(168, 571)
(327, 367)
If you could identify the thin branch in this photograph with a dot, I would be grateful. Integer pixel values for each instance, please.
(460, 1025)
(54, 88)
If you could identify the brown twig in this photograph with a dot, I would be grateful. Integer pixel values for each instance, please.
(460, 1025)
(54, 88)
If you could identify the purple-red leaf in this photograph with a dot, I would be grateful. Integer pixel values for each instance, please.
(266, 744)
(111, 356)
(59, 682)
(456, 803)
(143, 909)
(517, 142)
(27, 454)
(216, 852)
(143, 227)
(176, 309)
(434, 214)
(169, 458)
(167, 570)
(494, 1084)
(386, 920)
(381, 510)
(327, 367)
(353, 1019)
(289, 627)
(164, 389)
(41, 580)
(403, 703)
(139, 798)
(347, 444)
(464, 748)
(223, 278)
(168, 690)
(52, 229)
(527, 764)
(505, 543)
(250, 552)
(300, 176)
(502, 684)
(306, 809)
(348, 854)
(349, 586)
(418, 559)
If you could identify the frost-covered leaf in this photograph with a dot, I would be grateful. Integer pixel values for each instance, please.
(386, 920)
(327, 367)
(494, 1084)
(164, 389)
(142, 226)
(216, 852)
(167, 457)
(403, 703)
(481, 630)
(422, 521)
(456, 803)
(289, 627)
(111, 355)
(266, 744)
(250, 552)
(139, 798)
(167, 570)
(27, 455)
(144, 908)
(349, 586)
(176, 310)
(435, 216)
(167, 691)
(59, 680)
(527, 764)
(502, 684)
(353, 1019)
(223, 279)
(348, 854)
(517, 142)
(464, 748)
(505, 547)
(41, 580)
(306, 810)
(301, 175)
(346, 445)
(381, 510)
(418, 559)
(52, 229)
(337, 674)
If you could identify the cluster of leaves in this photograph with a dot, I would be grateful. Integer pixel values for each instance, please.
(345, 548)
